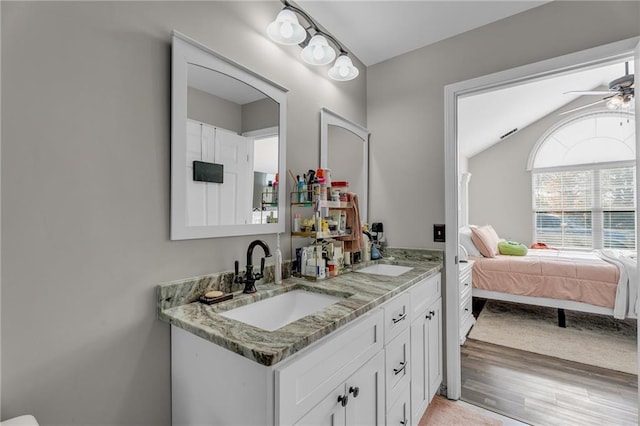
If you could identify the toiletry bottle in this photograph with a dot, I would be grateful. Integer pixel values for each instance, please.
(296, 222)
(301, 196)
(274, 194)
(268, 192)
(366, 250)
(278, 266)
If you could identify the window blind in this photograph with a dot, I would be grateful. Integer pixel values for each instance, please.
(585, 208)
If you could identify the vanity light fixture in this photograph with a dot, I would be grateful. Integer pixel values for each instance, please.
(316, 49)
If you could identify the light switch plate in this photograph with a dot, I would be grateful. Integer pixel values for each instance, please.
(438, 232)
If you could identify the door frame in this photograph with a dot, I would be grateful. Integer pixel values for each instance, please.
(565, 64)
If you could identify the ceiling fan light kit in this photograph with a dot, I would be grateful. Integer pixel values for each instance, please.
(619, 96)
(287, 30)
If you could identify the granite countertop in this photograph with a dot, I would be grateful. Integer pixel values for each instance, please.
(178, 305)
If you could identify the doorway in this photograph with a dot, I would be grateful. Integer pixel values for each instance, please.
(557, 66)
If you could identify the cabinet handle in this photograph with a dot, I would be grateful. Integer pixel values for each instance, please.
(399, 318)
(343, 400)
(397, 371)
(354, 390)
(466, 309)
(430, 315)
(466, 284)
(404, 422)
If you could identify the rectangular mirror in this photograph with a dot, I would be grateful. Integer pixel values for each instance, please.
(229, 123)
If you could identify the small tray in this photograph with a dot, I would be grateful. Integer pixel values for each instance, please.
(212, 300)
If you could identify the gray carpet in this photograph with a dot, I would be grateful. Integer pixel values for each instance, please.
(589, 338)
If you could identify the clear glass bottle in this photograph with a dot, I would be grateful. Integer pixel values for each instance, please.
(278, 266)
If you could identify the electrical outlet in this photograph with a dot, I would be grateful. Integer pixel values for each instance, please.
(438, 232)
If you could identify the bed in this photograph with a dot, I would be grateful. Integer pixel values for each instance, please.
(596, 281)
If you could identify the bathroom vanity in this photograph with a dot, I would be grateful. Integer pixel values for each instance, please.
(373, 356)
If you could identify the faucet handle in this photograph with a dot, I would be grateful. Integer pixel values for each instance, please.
(237, 278)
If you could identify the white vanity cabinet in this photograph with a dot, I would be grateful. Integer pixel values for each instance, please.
(383, 368)
(426, 344)
(466, 319)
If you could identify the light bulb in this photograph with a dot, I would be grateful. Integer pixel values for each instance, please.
(318, 51)
(286, 29)
(343, 69)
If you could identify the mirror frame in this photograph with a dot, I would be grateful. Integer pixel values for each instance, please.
(330, 118)
(188, 51)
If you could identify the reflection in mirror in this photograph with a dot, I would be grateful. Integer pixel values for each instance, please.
(227, 148)
(344, 149)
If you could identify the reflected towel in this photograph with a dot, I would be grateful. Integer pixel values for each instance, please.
(356, 225)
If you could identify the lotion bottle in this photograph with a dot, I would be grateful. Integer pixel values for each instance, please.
(278, 266)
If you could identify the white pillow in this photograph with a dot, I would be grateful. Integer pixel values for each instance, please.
(465, 241)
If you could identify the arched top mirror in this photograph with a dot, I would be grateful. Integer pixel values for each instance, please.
(344, 149)
(227, 146)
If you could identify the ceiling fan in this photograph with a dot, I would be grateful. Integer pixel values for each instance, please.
(619, 96)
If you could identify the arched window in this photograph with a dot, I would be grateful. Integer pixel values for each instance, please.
(583, 177)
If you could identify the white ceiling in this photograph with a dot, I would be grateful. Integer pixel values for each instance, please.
(483, 118)
(377, 30)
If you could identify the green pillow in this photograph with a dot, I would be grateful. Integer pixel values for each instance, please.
(512, 248)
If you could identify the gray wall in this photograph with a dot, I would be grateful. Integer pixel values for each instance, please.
(405, 101)
(85, 194)
(213, 110)
(260, 115)
(500, 186)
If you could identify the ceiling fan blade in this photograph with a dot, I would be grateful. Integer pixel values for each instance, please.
(588, 92)
(587, 106)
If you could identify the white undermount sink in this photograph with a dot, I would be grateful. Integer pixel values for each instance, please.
(384, 269)
(277, 311)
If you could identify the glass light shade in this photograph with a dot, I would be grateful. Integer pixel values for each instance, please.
(286, 29)
(343, 69)
(318, 51)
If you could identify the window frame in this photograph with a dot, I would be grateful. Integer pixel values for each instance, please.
(596, 209)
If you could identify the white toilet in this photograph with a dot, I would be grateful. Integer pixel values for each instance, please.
(20, 421)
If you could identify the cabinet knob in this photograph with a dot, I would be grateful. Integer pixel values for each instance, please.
(355, 391)
(404, 422)
(343, 400)
(430, 314)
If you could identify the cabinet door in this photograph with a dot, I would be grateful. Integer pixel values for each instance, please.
(365, 389)
(434, 358)
(329, 412)
(419, 368)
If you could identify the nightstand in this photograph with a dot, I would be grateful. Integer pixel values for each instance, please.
(466, 319)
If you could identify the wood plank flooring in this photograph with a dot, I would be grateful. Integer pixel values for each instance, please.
(542, 390)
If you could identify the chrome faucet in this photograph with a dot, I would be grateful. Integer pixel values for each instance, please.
(250, 278)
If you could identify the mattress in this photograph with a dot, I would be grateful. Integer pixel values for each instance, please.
(578, 276)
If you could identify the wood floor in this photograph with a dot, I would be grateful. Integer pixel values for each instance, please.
(542, 390)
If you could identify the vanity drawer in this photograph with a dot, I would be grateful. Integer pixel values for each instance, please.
(396, 316)
(398, 411)
(423, 294)
(307, 379)
(397, 366)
